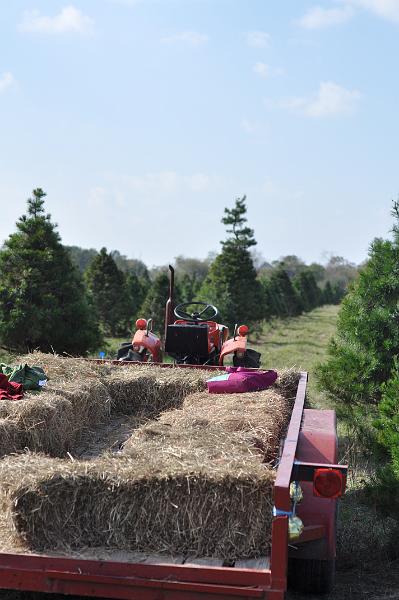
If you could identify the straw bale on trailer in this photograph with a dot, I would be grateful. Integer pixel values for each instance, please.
(55, 420)
(150, 390)
(193, 482)
(81, 395)
(195, 477)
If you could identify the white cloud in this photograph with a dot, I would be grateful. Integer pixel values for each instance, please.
(192, 38)
(258, 39)
(69, 20)
(318, 17)
(248, 126)
(388, 9)
(258, 130)
(6, 81)
(330, 100)
(261, 69)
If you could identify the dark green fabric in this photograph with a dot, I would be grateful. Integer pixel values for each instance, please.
(28, 376)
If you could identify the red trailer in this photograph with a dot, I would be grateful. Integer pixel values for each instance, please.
(308, 456)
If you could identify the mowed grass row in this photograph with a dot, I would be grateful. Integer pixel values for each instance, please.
(301, 342)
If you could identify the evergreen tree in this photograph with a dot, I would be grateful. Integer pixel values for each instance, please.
(308, 290)
(42, 297)
(81, 257)
(189, 286)
(154, 304)
(328, 294)
(137, 288)
(361, 357)
(110, 294)
(232, 283)
(279, 295)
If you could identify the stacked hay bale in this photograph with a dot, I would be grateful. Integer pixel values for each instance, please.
(148, 390)
(57, 418)
(197, 480)
(81, 395)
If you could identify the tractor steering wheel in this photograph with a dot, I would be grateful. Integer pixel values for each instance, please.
(195, 317)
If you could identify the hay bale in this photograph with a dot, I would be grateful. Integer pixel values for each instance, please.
(258, 417)
(56, 420)
(197, 481)
(287, 382)
(149, 390)
(81, 396)
(62, 369)
(142, 505)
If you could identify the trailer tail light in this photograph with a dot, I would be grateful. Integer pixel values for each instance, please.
(141, 324)
(328, 483)
(243, 330)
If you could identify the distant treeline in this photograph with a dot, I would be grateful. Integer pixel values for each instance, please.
(67, 299)
(289, 286)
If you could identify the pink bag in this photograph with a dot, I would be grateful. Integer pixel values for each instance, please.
(240, 380)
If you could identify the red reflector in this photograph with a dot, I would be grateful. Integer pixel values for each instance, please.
(141, 324)
(243, 330)
(328, 483)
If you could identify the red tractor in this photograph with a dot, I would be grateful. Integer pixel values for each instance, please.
(192, 337)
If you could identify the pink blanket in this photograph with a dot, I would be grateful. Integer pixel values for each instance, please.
(240, 380)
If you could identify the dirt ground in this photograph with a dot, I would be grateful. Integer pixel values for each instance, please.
(379, 584)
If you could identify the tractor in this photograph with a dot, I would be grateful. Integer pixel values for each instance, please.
(192, 337)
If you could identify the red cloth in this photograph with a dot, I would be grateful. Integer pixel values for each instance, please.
(9, 390)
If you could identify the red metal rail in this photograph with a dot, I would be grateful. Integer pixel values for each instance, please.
(135, 581)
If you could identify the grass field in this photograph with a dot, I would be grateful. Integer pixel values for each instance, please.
(300, 342)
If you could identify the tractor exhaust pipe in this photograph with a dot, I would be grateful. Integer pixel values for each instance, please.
(170, 304)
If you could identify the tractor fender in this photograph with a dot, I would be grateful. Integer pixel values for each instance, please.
(149, 341)
(317, 443)
(237, 344)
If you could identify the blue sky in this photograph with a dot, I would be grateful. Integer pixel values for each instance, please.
(143, 119)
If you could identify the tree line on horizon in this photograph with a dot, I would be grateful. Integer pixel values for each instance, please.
(68, 299)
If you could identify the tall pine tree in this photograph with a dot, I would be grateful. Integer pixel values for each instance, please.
(43, 303)
(110, 294)
(232, 283)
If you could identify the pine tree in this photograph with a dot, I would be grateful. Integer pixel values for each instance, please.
(232, 283)
(308, 290)
(154, 304)
(280, 298)
(137, 289)
(110, 294)
(362, 355)
(43, 303)
(328, 294)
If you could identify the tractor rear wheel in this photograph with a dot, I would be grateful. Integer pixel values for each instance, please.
(126, 353)
(251, 359)
(311, 576)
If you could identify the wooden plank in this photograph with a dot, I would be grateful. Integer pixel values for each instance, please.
(262, 563)
(206, 561)
(159, 559)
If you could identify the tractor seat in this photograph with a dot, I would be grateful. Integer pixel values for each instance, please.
(184, 339)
